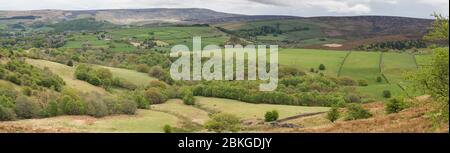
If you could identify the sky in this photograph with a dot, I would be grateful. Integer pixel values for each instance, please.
(304, 8)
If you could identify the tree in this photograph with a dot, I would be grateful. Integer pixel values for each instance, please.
(434, 79)
(222, 122)
(271, 116)
(333, 114)
(439, 30)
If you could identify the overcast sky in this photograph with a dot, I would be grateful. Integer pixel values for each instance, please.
(408, 8)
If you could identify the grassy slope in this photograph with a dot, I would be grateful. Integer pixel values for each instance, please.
(144, 121)
(177, 107)
(252, 111)
(134, 77)
(67, 74)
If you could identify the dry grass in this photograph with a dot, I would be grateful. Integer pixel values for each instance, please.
(412, 120)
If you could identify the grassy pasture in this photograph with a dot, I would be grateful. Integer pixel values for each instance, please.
(310, 58)
(177, 107)
(253, 111)
(395, 65)
(145, 121)
(134, 77)
(362, 65)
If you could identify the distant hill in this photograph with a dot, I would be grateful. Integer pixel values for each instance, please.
(122, 16)
(288, 31)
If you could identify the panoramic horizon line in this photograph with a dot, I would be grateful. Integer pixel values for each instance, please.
(285, 15)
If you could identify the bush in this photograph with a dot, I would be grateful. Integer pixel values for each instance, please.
(333, 114)
(96, 108)
(155, 96)
(387, 94)
(127, 106)
(222, 122)
(71, 106)
(363, 83)
(322, 67)
(25, 108)
(353, 98)
(188, 98)
(141, 101)
(379, 79)
(346, 81)
(356, 111)
(6, 114)
(142, 68)
(51, 109)
(271, 116)
(167, 128)
(395, 105)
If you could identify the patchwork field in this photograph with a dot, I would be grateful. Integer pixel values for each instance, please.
(306, 59)
(362, 65)
(253, 111)
(395, 65)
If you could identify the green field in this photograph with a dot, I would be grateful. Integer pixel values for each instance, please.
(395, 65)
(253, 111)
(306, 59)
(362, 65)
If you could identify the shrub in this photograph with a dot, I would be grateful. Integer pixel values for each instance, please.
(356, 111)
(271, 116)
(353, 98)
(6, 114)
(312, 70)
(322, 67)
(70, 63)
(333, 114)
(167, 128)
(379, 79)
(395, 105)
(188, 98)
(363, 83)
(387, 94)
(346, 81)
(127, 106)
(25, 108)
(96, 108)
(142, 68)
(155, 96)
(157, 72)
(222, 122)
(51, 109)
(71, 106)
(6, 101)
(141, 101)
